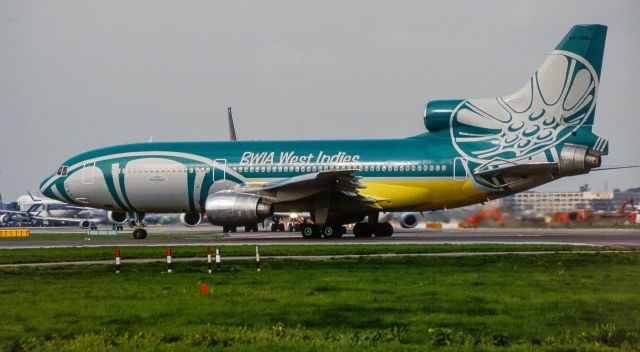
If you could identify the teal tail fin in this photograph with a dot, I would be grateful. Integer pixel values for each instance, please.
(586, 41)
(556, 106)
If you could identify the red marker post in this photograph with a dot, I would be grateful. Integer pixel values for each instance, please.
(169, 264)
(209, 258)
(117, 261)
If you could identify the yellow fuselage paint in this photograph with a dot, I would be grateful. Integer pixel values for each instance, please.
(395, 194)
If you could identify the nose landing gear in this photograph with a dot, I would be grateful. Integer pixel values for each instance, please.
(139, 233)
(137, 222)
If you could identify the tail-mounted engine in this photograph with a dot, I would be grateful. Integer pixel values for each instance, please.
(577, 159)
(232, 208)
(437, 114)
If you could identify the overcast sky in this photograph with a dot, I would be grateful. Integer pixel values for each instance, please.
(78, 75)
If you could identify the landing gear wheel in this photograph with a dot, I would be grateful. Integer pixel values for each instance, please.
(331, 231)
(227, 229)
(139, 234)
(281, 227)
(275, 227)
(384, 229)
(250, 228)
(310, 231)
(362, 230)
(290, 227)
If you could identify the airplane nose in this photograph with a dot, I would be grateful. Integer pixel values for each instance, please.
(45, 188)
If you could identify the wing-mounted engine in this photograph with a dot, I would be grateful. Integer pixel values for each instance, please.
(117, 217)
(233, 208)
(409, 220)
(190, 219)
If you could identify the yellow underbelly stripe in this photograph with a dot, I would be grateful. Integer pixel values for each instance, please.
(422, 194)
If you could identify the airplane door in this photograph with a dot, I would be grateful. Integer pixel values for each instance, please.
(460, 169)
(88, 173)
(219, 165)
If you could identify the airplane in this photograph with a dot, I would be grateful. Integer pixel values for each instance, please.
(474, 150)
(33, 210)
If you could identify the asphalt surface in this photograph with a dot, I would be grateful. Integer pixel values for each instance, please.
(588, 237)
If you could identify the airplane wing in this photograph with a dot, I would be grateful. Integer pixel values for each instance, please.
(74, 220)
(36, 216)
(334, 182)
(14, 212)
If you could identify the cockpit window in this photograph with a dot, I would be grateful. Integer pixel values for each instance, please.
(62, 171)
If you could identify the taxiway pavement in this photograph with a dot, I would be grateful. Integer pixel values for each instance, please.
(588, 237)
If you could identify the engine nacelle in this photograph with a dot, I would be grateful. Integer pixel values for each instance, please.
(437, 114)
(116, 217)
(577, 159)
(408, 220)
(190, 219)
(85, 224)
(232, 208)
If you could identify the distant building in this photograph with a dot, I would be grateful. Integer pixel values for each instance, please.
(545, 203)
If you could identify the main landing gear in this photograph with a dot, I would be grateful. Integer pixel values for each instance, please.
(363, 229)
(327, 231)
(360, 230)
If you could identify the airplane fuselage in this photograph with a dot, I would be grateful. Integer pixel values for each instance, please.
(420, 173)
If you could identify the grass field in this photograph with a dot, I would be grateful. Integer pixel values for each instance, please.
(548, 302)
(34, 255)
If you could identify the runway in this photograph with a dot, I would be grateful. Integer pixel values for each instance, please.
(208, 235)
